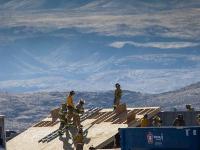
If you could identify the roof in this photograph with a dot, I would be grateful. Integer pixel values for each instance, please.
(99, 130)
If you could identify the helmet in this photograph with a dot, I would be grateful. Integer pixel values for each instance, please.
(188, 106)
(80, 130)
(180, 116)
(146, 116)
(81, 101)
(71, 92)
(117, 85)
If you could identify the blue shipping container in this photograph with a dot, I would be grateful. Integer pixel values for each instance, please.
(162, 138)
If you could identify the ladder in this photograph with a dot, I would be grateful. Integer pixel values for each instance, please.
(89, 113)
(49, 136)
(55, 133)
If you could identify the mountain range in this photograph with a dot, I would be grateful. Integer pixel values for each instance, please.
(23, 110)
(148, 46)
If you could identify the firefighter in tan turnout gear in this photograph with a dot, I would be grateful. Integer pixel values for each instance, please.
(79, 139)
(63, 118)
(79, 109)
(70, 106)
(179, 121)
(117, 95)
(156, 121)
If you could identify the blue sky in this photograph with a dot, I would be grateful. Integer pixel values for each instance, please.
(150, 46)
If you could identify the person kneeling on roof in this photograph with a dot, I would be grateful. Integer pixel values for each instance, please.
(145, 121)
(156, 121)
(179, 121)
(79, 109)
(63, 120)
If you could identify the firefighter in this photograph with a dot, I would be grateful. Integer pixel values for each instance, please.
(63, 118)
(70, 106)
(156, 121)
(79, 139)
(198, 119)
(145, 121)
(179, 121)
(79, 109)
(79, 106)
(189, 107)
(117, 95)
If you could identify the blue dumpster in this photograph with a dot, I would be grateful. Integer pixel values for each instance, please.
(162, 138)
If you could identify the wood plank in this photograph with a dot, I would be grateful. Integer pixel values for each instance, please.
(108, 116)
(121, 118)
(111, 117)
(102, 118)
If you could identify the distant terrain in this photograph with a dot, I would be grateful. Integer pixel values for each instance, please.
(23, 110)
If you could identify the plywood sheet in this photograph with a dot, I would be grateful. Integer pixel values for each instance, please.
(99, 131)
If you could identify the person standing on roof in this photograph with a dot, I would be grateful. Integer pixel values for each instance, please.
(79, 109)
(117, 95)
(63, 120)
(79, 106)
(145, 121)
(70, 102)
(70, 105)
